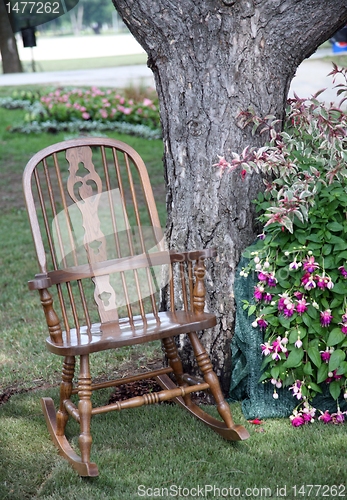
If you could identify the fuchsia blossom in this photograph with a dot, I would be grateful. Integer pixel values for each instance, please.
(325, 417)
(262, 323)
(343, 271)
(310, 265)
(325, 318)
(267, 297)
(289, 309)
(338, 417)
(308, 281)
(271, 280)
(301, 306)
(325, 355)
(296, 388)
(258, 292)
(297, 421)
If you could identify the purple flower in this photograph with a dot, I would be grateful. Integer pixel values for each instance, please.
(301, 306)
(262, 277)
(310, 265)
(325, 417)
(325, 355)
(262, 323)
(344, 328)
(267, 297)
(271, 280)
(298, 295)
(343, 271)
(258, 292)
(325, 317)
(338, 417)
(297, 421)
(289, 309)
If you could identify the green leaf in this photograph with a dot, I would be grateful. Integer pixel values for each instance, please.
(294, 359)
(342, 369)
(252, 310)
(312, 312)
(334, 389)
(336, 359)
(340, 288)
(308, 370)
(335, 337)
(275, 371)
(314, 356)
(315, 387)
(335, 226)
(322, 373)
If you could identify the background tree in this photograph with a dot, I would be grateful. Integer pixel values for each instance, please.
(8, 45)
(212, 59)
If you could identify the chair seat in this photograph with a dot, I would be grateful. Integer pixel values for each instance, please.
(114, 334)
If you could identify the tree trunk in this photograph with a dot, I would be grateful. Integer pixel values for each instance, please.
(8, 46)
(211, 60)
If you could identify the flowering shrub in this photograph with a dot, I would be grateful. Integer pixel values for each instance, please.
(300, 260)
(98, 109)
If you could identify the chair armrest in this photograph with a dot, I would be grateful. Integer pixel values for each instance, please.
(40, 282)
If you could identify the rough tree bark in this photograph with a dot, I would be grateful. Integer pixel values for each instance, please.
(8, 46)
(211, 59)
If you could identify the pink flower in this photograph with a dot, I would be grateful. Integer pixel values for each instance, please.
(343, 271)
(267, 297)
(147, 102)
(258, 292)
(344, 329)
(325, 417)
(296, 388)
(262, 277)
(266, 348)
(310, 265)
(289, 309)
(297, 421)
(325, 317)
(301, 306)
(85, 116)
(338, 418)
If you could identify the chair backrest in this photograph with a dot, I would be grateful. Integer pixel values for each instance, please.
(96, 229)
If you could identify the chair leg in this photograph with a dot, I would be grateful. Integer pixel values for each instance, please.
(176, 364)
(56, 421)
(85, 408)
(65, 393)
(227, 428)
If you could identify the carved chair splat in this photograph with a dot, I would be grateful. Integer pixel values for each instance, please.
(102, 262)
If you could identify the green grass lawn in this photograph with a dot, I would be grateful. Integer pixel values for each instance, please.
(141, 453)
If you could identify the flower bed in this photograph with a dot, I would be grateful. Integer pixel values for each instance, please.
(86, 109)
(299, 262)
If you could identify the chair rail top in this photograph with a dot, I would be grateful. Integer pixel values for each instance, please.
(83, 141)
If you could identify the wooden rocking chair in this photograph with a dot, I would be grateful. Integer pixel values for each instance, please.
(99, 251)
